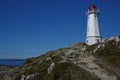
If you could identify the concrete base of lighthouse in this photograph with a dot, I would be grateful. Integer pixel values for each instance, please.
(93, 39)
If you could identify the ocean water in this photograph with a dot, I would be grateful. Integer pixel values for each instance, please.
(11, 62)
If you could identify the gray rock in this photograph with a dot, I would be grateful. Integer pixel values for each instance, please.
(48, 58)
(31, 76)
(52, 66)
(23, 77)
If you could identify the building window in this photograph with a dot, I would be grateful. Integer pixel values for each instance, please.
(97, 40)
(87, 41)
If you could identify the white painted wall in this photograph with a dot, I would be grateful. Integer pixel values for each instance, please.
(93, 32)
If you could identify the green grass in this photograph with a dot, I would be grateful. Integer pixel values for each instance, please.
(62, 71)
(70, 71)
(111, 53)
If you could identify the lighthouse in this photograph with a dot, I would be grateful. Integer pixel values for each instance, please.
(93, 31)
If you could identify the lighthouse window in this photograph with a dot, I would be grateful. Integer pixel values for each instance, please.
(87, 41)
(97, 40)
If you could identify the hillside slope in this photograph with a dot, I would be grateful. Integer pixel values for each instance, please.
(53, 65)
(107, 54)
(100, 61)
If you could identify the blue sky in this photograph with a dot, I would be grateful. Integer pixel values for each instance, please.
(30, 28)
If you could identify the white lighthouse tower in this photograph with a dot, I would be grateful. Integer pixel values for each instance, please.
(93, 32)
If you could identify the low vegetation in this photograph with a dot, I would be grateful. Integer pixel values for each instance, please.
(64, 68)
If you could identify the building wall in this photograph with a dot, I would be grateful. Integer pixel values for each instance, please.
(93, 32)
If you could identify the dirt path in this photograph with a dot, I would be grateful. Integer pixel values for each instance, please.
(112, 68)
(88, 64)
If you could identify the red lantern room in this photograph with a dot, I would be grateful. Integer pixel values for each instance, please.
(92, 8)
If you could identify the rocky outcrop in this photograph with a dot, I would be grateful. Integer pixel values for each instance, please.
(88, 64)
(29, 77)
(74, 63)
(52, 66)
(116, 38)
(86, 59)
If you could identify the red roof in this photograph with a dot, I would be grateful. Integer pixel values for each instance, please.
(92, 8)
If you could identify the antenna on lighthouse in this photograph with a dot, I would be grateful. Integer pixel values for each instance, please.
(93, 31)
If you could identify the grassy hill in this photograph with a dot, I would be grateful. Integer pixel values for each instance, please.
(80, 61)
(64, 69)
(107, 54)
